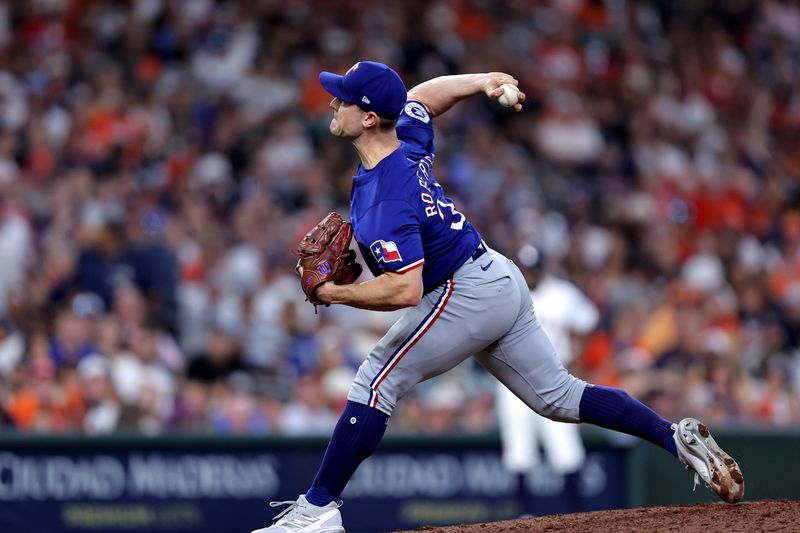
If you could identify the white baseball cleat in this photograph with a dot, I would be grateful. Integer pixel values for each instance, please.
(699, 452)
(304, 517)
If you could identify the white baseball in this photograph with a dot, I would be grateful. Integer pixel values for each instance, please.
(509, 97)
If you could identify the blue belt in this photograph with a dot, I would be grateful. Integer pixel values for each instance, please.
(479, 251)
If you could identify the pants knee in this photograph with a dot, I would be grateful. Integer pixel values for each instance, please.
(361, 392)
(562, 403)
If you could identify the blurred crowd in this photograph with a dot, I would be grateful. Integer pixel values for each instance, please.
(160, 159)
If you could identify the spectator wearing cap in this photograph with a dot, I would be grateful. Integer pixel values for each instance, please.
(102, 406)
(72, 340)
(100, 267)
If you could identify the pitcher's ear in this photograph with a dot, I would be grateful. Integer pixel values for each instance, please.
(370, 120)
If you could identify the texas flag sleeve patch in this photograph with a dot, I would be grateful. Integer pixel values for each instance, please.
(385, 252)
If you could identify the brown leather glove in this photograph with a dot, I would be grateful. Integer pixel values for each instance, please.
(325, 255)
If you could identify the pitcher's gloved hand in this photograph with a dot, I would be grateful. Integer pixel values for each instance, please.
(325, 255)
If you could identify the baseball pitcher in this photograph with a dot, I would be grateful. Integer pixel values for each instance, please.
(463, 299)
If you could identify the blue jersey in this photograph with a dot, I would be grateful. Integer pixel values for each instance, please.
(401, 217)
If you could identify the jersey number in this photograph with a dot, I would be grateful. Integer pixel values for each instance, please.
(436, 209)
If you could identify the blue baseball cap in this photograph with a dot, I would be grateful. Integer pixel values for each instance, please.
(371, 86)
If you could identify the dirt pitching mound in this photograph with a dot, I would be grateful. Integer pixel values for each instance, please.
(748, 517)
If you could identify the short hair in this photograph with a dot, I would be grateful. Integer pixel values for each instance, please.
(386, 124)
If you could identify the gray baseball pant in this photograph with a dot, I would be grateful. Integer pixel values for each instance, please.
(487, 314)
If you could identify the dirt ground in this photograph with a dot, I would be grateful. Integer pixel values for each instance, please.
(748, 517)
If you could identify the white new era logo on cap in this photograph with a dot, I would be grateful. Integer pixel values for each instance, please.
(365, 99)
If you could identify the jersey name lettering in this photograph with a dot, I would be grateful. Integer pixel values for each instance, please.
(424, 172)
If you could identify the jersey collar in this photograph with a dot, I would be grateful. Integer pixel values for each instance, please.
(363, 175)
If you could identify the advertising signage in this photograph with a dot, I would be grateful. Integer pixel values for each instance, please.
(216, 485)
